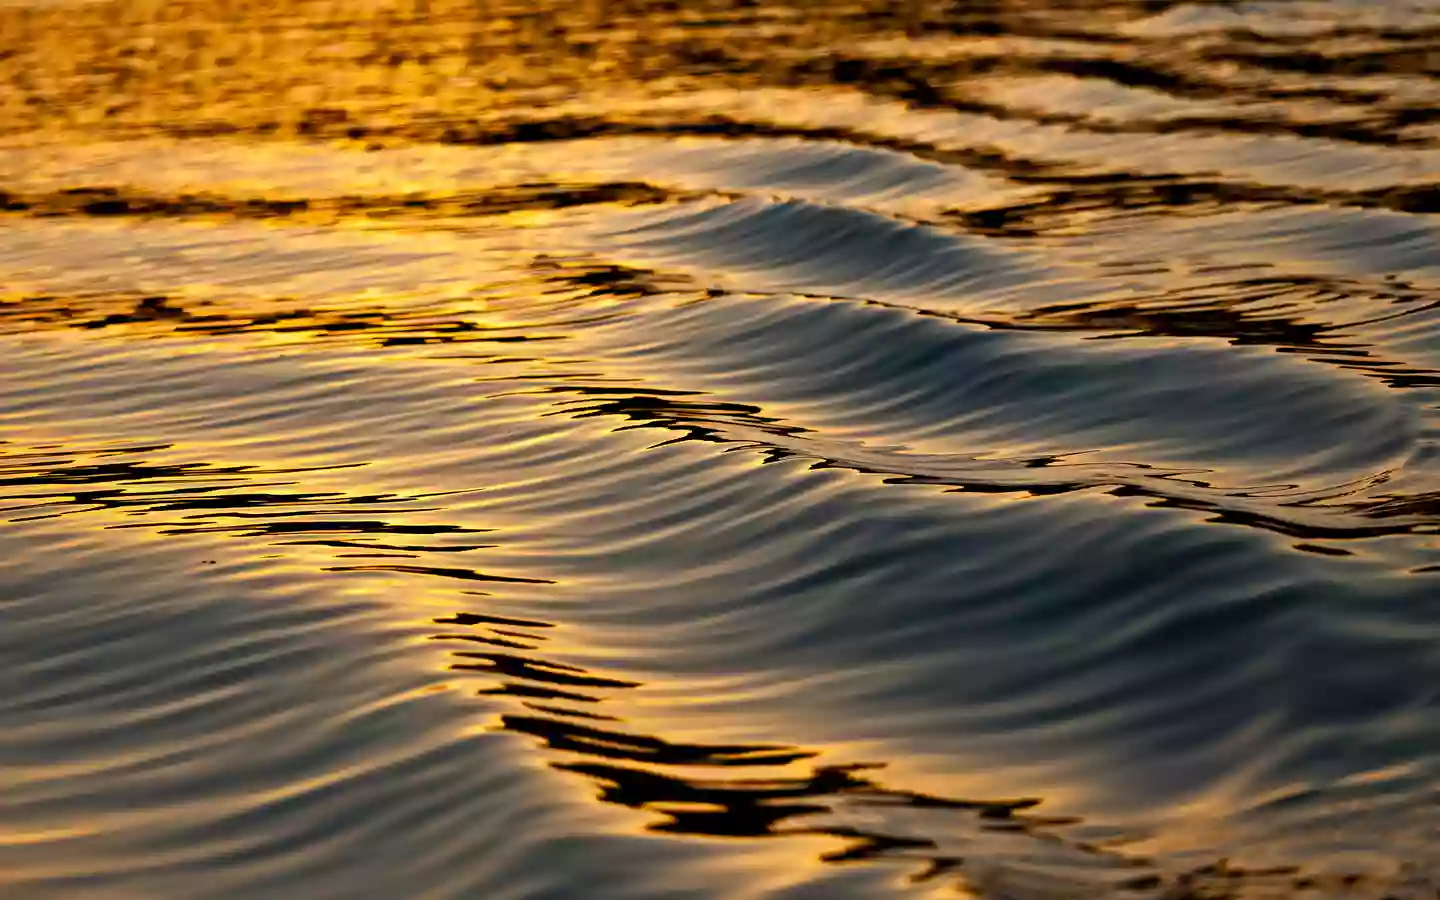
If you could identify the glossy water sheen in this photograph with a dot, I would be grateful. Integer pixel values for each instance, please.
(719, 450)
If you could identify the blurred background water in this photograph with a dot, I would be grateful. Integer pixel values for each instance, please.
(719, 449)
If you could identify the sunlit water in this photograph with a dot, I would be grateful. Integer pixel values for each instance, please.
(719, 450)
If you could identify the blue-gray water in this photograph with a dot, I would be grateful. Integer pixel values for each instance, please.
(462, 449)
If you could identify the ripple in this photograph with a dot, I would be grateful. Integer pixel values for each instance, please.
(727, 450)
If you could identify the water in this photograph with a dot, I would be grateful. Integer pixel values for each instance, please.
(719, 450)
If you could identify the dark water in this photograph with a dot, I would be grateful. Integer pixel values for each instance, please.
(719, 449)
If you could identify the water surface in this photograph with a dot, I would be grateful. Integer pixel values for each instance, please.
(719, 449)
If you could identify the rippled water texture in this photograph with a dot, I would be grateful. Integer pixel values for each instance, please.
(719, 449)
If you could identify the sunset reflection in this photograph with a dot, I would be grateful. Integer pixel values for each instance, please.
(730, 448)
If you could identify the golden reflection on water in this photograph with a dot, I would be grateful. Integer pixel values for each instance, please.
(708, 396)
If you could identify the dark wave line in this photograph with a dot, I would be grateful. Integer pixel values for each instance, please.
(1403, 60)
(210, 498)
(1165, 190)
(1241, 311)
(1051, 213)
(496, 201)
(719, 422)
(942, 85)
(190, 317)
(1122, 193)
(1183, 189)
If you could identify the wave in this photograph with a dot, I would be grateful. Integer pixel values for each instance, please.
(740, 450)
